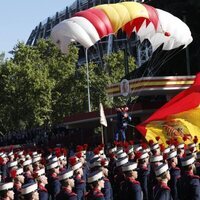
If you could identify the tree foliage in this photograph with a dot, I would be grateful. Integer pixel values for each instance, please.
(39, 85)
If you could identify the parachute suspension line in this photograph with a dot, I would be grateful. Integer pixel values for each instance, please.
(138, 93)
(155, 61)
(150, 63)
(172, 54)
(88, 79)
(166, 58)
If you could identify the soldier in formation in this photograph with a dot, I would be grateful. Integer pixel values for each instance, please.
(125, 171)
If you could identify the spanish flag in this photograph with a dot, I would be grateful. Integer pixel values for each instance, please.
(178, 119)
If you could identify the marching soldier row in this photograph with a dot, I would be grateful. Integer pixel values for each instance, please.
(123, 172)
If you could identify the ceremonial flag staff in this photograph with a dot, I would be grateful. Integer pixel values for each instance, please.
(103, 121)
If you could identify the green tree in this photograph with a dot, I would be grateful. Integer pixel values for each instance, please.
(2, 58)
(26, 88)
(40, 85)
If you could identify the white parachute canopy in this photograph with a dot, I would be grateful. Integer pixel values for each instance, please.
(179, 33)
(89, 26)
(77, 29)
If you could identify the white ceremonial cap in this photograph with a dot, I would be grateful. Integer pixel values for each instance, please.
(95, 176)
(137, 147)
(181, 146)
(40, 172)
(161, 169)
(28, 188)
(19, 171)
(36, 159)
(95, 162)
(119, 151)
(53, 159)
(130, 149)
(28, 156)
(52, 165)
(188, 160)
(143, 156)
(77, 166)
(155, 146)
(61, 157)
(156, 158)
(112, 150)
(49, 157)
(10, 153)
(121, 161)
(27, 162)
(191, 145)
(166, 150)
(121, 155)
(172, 147)
(129, 167)
(101, 151)
(66, 174)
(12, 164)
(171, 154)
(3, 155)
(6, 186)
(34, 153)
(20, 153)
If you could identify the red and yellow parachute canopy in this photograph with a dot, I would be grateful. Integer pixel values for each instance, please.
(91, 25)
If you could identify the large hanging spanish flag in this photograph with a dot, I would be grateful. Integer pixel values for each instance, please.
(177, 119)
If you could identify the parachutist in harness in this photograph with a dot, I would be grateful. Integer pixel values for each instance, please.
(123, 120)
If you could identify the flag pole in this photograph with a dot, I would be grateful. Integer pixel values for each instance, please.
(88, 80)
(103, 122)
(102, 134)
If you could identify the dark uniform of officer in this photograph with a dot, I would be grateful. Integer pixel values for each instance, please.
(28, 169)
(3, 169)
(130, 188)
(175, 173)
(95, 194)
(143, 173)
(107, 190)
(161, 191)
(197, 164)
(79, 187)
(188, 183)
(143, 177)
(17, 192)
(54, 185)
(67, 181)
(119, 177)
(180, 151)
(43, 193)
(79, 182)
(95, 180)
(66, 194)
(42, 181)
(154, 162)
